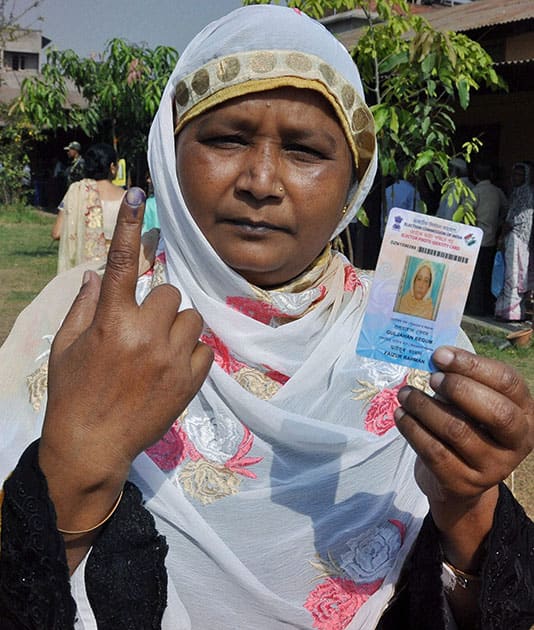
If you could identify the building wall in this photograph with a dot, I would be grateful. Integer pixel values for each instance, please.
(509, 114)
(520, 47)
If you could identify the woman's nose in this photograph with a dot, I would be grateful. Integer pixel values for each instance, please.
(260, 175)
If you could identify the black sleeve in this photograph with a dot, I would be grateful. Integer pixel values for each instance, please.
(126, 579)
(507, 591)
(34, 576)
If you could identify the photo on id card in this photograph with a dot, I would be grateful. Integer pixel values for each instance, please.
(420, 288)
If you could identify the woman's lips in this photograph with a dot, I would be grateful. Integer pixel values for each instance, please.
(255, 227)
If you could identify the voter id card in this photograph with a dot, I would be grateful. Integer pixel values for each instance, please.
(420, 287)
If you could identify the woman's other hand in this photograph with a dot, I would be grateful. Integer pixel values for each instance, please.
(469, 438)
(119, 375)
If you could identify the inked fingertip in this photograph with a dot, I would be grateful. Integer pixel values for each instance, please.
(135, 197)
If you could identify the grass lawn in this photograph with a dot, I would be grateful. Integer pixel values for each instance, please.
(28, 260)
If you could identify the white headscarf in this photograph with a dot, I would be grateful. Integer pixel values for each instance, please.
(285, 492)
(294, 493)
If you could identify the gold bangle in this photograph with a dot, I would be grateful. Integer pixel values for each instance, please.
(458, 577)
(104, 520)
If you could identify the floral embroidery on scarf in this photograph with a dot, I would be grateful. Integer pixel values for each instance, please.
(208, 482)
(349, 583)
(366, 391)
(217, 449)
(256, 309)
(379, 417)
(420, 379)
(37, 383)
(216, 438)
(221, 353)
(352, 282)
(262, 385)
(157, 271)
(383, 402)
(173, 447)
(238, 462)
(277, 376)
(334, 602)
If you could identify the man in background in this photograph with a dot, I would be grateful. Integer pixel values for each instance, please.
(490, 211)
(76, 170)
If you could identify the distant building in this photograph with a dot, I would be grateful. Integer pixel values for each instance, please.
(19, 57)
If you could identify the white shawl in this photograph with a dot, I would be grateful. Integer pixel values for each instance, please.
(285, 492)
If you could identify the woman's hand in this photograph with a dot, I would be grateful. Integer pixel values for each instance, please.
(119, 375)
(468, 439)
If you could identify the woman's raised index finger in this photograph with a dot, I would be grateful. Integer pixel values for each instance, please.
(120, 277)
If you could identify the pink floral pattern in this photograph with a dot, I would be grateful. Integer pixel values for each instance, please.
(222, 355)
(172, 449)
(256, 309)
(352, 282)
(379, 418)
(334, 602)
(277, 376)
(239, 462)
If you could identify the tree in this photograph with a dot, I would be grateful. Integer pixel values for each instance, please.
(10, 18)
(16, 132)
(414, 78)
(16, 139)
(121, 89)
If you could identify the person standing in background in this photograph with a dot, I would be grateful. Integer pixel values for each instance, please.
(88, 212)
(401, 193)
(516, 230)
(490, 210)
(76, 170)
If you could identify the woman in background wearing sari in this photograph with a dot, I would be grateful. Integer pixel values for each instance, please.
(88, 212)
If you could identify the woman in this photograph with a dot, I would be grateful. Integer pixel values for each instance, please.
(417, 300)
(88, 212)
(270, 489)
(517, 230)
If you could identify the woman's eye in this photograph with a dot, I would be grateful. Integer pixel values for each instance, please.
(225, 141)
(305, 151)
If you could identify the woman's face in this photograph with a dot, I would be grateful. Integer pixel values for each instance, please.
(421, 283)
(265, 177)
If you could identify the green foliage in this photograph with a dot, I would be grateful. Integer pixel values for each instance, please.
(16, 137)
(313, 8)
(415, 77)
(121, 89)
